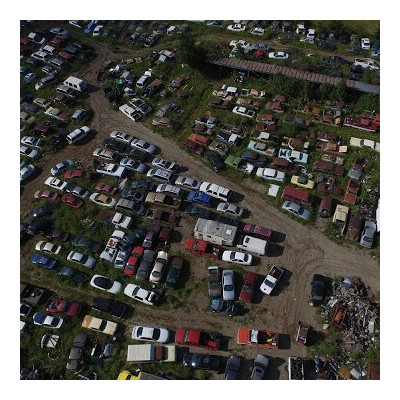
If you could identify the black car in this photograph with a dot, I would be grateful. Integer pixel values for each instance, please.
(38, 225)
(115, 145)
(137, 154)
(146, 265)
(254, 158)
(60, 137)
(145, 185)
(232, 367)
(86, 243)
(215, 160)
(224, 306)
(135, 237)
(202, 361)
(132, 194)
(73, 275)
(110, 94)
(174, 272)
(317, 290)
(113, 307)
(43, 211)
(196, 211)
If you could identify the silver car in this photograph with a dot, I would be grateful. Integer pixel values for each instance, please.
(296, 209)
(228, 286)
(367, 236)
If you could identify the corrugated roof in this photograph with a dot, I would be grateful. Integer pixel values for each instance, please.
(257, 66)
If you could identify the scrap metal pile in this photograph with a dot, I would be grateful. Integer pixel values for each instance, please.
(354, 311)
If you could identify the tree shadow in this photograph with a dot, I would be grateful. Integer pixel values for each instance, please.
(273, 372)
(314, 337)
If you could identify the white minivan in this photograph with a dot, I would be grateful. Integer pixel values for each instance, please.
(78, 134)
(75, 83)
(142, 81)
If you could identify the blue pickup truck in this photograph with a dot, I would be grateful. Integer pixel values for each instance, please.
(200, 198)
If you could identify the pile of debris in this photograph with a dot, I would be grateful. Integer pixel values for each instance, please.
(354, 311)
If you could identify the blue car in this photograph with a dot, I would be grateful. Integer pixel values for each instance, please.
(90, 27)
(200, 198)
(43, 261)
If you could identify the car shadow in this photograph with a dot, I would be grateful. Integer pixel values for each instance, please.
(284, 341)
(258, 294)
(256, 261)
(277, 237)
(274, 250)
(314, 337)
(91, 88)
(273, 372)
(92, 135)
(184, 277)
(176, 237)
(283, 283)
(236, 197)
(180, 352)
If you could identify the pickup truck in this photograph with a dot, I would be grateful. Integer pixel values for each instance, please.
(163, 200)
(271, 279)
(239, 164)
(111, 170)
(255, 337)
(200, 198)
(202, 248)
(191, 337)
(296, 368)
(214, 282)
(302, 333)
(147, 353)
(367, 63)
(157, 215)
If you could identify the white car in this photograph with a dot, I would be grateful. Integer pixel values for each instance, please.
(133, 165)
(44, 103)
(228, 286)
(143, 145)
(238, 42)
(231, 209)
(278, 55)
(121, 221)
(365, 44)
(97, 30)
(105, 154)
(102, 200)
(187, 182)
(111, 170)
(164, 164)
(27, 152)
(159, 335)
(357, 142)
(270, 174)
(168, 189)
(142, 295)
(236, 28)
(159, 267)
(130, 112)
(122, 136)
(104, 283)
(237, 257)
(47, 321)
(32, 141)
(62, 166)
(82, 259)
(77, 190)
(47, 247)
(257, 31)
(55, 183)
(243, 111)
(159, 174)
(26, 172)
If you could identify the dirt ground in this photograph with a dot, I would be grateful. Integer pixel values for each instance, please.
(304, 251)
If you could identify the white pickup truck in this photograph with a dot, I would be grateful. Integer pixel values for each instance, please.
(111, 170)
(271, 279)
(367, 63)
(146, 353)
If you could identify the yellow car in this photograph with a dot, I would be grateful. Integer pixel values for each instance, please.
(302, 181)
(127, 376)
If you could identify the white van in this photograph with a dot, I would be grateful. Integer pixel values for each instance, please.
(78, 134)
(75, 83)
(252, 244)
(142, 81)
(214, 190)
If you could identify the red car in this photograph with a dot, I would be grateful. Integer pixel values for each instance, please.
(134, 261)
(257, 231)
(202, 248)
(71, 200)
(193, 147)
(75, 173)
(191, 337)
(57, 305)
(103, 187)
(246, 294)
(59, 235)
(46, 194)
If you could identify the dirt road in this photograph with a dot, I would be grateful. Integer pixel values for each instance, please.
(305, 250)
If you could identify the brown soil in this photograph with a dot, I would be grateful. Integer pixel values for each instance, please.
(305, 249)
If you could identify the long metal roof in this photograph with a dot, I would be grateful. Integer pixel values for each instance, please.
(265, 68)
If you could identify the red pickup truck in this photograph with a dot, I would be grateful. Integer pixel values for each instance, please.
(203, 248)
(191, 337)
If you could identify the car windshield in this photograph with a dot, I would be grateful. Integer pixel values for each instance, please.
(54, 322)
(156, 333)
(228, 288)
(105, 283)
